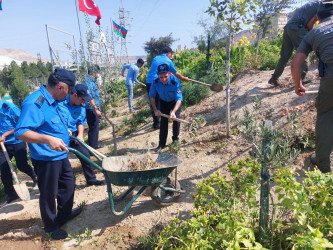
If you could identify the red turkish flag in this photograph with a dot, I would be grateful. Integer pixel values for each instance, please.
(89, 7)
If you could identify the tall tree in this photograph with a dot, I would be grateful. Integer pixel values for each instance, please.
(155, 46)
(233, 14)
(19, 90)
(264, 12)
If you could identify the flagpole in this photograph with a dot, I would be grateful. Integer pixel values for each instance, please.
(82, 46)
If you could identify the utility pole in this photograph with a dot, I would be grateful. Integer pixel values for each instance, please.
(122, 23)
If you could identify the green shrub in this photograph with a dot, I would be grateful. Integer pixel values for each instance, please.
(193, 93)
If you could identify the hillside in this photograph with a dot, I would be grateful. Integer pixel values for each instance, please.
(20, 223)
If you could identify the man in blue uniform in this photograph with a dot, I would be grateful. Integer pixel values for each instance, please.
(132, 76)
(168, 88)
(76, 120)
(294, 31)
(164, 58)
(92, 108)
(319, 40)
(42, 125)
(9, 114)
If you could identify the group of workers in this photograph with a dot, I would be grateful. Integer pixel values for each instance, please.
(53, 113)
(164, 92)
(48, 117)
(299, 34)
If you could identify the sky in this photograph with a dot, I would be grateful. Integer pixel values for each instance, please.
(23, 22)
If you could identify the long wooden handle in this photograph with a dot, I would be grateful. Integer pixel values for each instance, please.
(176, 119)
(9, 163)
(203, 83)
(95, 151)
(311, 92)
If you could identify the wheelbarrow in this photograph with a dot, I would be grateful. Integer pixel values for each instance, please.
(164, 190)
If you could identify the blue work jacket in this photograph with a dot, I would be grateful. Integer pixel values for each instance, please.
(92, 90)
(158, 60)
(172, 91)
(41, 114)
(9, 115)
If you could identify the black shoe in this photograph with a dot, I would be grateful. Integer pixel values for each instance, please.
(313, 159)
(59, 234)
(159, 148)
(75, 212)
(34, 179)
(274, 82)
(9, 199)
(95, 182)
(98, 146)
(155, 127)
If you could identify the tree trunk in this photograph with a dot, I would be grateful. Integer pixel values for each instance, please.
(228, 84)
(257, 47)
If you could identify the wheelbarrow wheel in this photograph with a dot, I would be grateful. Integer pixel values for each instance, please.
(165, 198)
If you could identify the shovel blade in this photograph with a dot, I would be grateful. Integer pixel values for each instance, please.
(22, 191)
(216, 87)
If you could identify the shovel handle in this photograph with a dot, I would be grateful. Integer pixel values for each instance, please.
(176, 119)
(9, 163)
(311, 92)
(203, 83)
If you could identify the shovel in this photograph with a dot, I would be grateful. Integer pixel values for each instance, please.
(311, 92)
(214, 87)
(175, 119)
(21, 189)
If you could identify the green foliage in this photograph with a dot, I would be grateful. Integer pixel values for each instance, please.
(2, 90)
(193, 93)
(225, 213)
(138, 118)
(155, 46)
(19, 90)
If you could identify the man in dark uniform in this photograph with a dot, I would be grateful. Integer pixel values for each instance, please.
(76, 120)
(164, 58)
(92, 108)
(319, 40)
(294, 31)
(42, 125)
(9, 115)
(167, 86)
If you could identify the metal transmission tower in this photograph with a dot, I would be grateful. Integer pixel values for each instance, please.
(122, 23)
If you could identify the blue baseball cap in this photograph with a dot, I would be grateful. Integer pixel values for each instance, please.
(82, 91)
(65, 76)
(162, 68)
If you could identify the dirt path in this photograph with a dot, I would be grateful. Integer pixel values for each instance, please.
(209, 151)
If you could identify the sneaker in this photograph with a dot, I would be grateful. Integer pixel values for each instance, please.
(95, 183)
(313, 159)
(59, 234)
(274, 82)
(8, 200)
(75, 212)
(159, 148)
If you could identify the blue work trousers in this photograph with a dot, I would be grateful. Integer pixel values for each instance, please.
(93, 124)
(55, 181)
(156, 119)
(166, 108)
(130, 96)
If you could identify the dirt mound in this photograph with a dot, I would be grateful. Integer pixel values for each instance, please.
(203, 154)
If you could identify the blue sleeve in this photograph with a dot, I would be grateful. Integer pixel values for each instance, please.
(30, 119)
(83, 118)
(126, 66)
(152, 91)
(179, 96)
(135, 75)
(172, 67)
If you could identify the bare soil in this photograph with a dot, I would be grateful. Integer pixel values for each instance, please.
(20, 223)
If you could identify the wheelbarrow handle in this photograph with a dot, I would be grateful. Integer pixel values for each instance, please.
(311, 92)
(176, 119)
(86, 159)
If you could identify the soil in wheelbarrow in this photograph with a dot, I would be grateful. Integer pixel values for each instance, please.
(209, 151)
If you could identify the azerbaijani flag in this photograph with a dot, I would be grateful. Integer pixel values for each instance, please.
(121, 31)
(0, 4)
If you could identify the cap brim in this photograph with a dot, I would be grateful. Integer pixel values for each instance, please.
(87, 98)
(162, 72)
